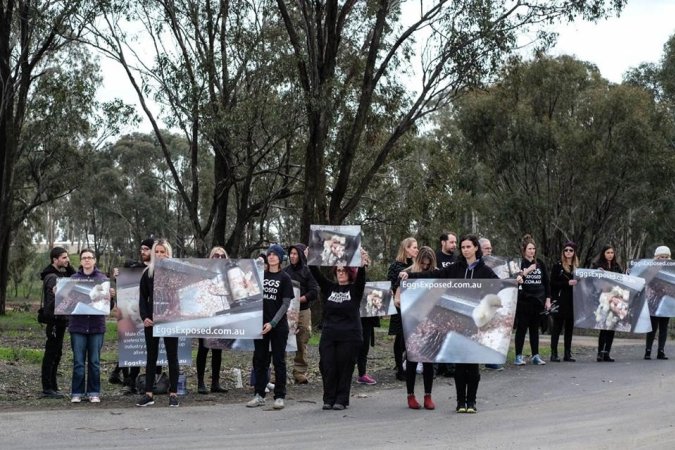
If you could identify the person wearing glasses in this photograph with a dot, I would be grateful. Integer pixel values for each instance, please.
(658, 323)
(562, 307)
(216, 354)
(86, 338)
(160, 250)
(534, 294)
(341, 335)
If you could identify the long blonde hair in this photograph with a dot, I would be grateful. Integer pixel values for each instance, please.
(164, 243)
(424, 253)
(402, 256)
(215, 249)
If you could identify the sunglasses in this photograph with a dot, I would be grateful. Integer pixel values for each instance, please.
(569, 250)
(219, 256)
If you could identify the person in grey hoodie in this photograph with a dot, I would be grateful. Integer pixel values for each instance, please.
(309, 290)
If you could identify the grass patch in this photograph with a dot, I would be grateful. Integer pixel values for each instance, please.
(18, 320)
(21, 355)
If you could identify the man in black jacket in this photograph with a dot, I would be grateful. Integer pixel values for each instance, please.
(56, 325)
(309, 289)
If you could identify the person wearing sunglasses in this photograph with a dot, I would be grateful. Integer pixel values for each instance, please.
(216, 354)
(562, 282)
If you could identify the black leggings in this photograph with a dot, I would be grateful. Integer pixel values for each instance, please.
(467, 377)
(559, 323)
(216, 359)
(661, 324)
(411, 374)
(336, 362)
(365, 348)
(605, 339)
(399, 349)
(527, 319)
(152, 347)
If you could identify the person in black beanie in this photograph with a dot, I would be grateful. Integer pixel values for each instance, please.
(56, 325)
(277, 295)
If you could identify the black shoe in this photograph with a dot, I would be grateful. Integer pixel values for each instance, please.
(661, 355)
(471, 408)
(554, 357)
(327, 406)
(607, 358)
(50, 393)
(146, 400)
(648, 354)
(568, 358)
(202, 389)
(173, 401)
(600, 357)
(115, 378)
(339, 407)
(218, 389)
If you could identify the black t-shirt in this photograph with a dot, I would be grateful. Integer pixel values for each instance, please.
(444, 260)
(276, 287)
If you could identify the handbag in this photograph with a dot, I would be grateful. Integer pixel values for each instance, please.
(161, 385)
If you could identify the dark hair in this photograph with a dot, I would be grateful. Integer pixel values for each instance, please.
(87, 250)
(525, 241)
(351, 272)
(474, 240)
(446, 235)
(601, 261)
(56, 252)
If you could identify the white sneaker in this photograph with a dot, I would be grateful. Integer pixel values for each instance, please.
(278, 403)
(256, 401)
(94, 399)
(537, 361)
(76, 399)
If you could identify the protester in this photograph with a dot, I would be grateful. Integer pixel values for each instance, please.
(445, 256)
(309, 290)
(277, 296)
(606, 260)
(534, 294)
(160, 250)
(86, 338)
(468, 266)
(368, 325)
(562, 309)
(424, 262)
(341, 334)
(56, 325)
(203, 351)
(486, 249)
(658, 323)
(407, 250)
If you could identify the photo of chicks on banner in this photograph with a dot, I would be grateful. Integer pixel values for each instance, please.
(376, 299)
(82, 297)
(130, 335)
(442, 324)
(334, 245)
(503, 267)
(610, 301)
(659, 276)
(247, 345)
(207, 298)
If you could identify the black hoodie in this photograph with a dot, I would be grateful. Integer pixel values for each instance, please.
(458, 270)
(48, 283)
(300, 272)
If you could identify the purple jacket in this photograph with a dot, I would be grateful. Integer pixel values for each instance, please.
(88, 324)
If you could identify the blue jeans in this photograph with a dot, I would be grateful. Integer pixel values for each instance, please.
(86, 347)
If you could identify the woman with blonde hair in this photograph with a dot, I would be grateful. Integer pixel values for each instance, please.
(216, 353)
(562, 310)
(407, 251)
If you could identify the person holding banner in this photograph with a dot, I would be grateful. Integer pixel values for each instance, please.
(86, 338)
(277, 296)
(534, 294)
(660, 323)
(606, 260)
(341, 335)
(469, 265)
(216, 353)
(562, 282)
(160, 250)
(407, 251)
(424, 262)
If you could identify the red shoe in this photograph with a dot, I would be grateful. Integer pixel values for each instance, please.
(412, 402)
(428, 402)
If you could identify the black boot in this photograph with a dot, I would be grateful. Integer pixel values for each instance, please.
(607, 358)
(217, 388)
(648, 354)
(600, 357)
(661, 355)
(568, 357)
(201, 387)
(554, 357)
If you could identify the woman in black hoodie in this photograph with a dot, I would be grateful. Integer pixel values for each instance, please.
(469, 265)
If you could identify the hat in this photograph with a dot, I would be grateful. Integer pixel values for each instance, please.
(277, 250)
(662, 250)
(570, 244)
(149, 242)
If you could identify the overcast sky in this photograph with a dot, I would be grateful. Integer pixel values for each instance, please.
(614, 45)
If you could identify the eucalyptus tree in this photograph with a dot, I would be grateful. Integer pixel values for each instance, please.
(216, 69)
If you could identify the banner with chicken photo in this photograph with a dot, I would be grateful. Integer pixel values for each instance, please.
(458, 321)
(503, 267)
(79, 296)
(246, 345)
(207, 298)
(659, 276)
(610, 301)
(334, 245)
(376, 299)
(130, 334)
